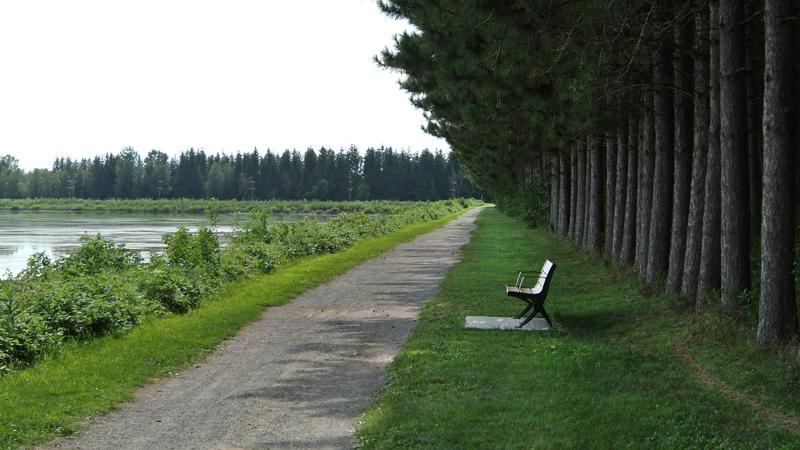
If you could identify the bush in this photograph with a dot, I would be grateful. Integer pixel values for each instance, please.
(189, 252)
(89, 306)
(165, 284)
(243, 259)
(38, 265)
(97, 255)
(531, 204)
(23, 336)
(310, 238)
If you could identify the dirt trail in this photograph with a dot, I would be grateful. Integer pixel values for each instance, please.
(772, 415)
(300, 376)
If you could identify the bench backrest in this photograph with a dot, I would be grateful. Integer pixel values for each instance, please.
(544, 278)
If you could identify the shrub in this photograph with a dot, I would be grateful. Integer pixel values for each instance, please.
(97, 255)
(243, 259)
(38, 265)
(198, 251)
(165, 284)
(23, 336)
(88, 306)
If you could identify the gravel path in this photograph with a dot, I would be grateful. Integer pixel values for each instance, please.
(299, 377)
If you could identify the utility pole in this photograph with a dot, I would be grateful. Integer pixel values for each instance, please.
(350, 188)
(160, 188)
(252, 189)
(453, 184)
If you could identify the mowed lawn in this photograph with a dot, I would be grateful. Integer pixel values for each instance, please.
(615, 375)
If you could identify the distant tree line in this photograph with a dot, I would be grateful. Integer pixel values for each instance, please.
(663, 133)
(381, 173)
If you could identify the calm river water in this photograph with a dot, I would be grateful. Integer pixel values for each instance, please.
(56, 233)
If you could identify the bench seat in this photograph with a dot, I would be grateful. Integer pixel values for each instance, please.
(526, 291)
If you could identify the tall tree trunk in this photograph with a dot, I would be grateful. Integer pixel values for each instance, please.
(619, 195)
(587, 196)
(611, 174)
(543, 163)
(683, 145)
(694, 232)
(573, 190)
(553, 177)
(594, 237)
(733, 147)
(581, 197)
(777, 308)
(646, 191)
(563, 196)
(658, 248)
(754, 60)
(710, 250)
(639, 250)
(629, 231)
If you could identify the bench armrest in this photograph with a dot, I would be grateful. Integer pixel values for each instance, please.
(521, 277)
(522, 280)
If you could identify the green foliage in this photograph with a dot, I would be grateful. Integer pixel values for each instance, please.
(256, 226)
(244, 259)
(88, 306)
(23, 336)
(529, 203)
(94, 256)
(309, 237)
(38, 265)
(194, 251)
(84, 294)
(102, 287)
(168, 285)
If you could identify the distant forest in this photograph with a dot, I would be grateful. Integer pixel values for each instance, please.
(381, 173)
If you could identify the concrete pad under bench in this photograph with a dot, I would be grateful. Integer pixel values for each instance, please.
(505, 323)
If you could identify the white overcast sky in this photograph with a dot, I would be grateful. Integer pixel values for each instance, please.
(85, 77)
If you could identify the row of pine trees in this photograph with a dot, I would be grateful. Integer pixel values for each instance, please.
(666, 131)
(381, 173)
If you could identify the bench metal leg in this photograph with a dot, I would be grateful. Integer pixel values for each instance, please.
(546, 317)
(538, 308)
(528, 319)
(524, 311)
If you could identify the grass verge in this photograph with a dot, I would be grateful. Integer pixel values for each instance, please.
(615, 375)
(89, 378)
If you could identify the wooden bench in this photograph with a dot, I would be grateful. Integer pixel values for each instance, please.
(534, 296)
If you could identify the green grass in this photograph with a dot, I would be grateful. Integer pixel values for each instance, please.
(609, 378)
(89, 378)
